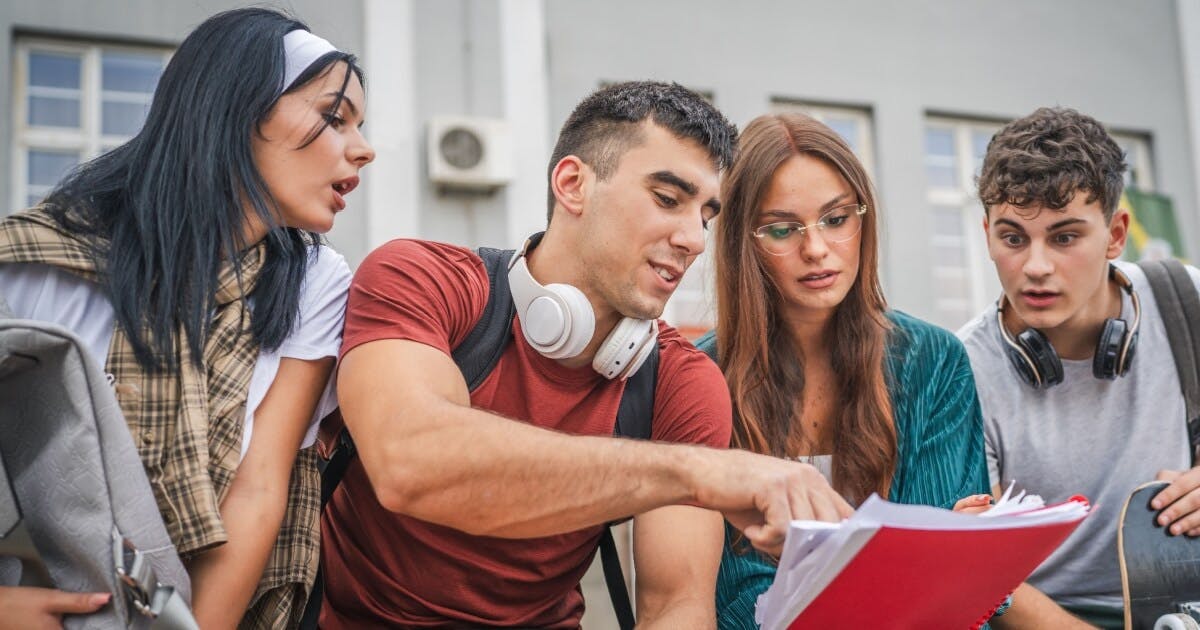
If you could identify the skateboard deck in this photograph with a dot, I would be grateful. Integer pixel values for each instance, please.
(1160, 573)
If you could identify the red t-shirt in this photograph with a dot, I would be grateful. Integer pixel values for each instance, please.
(384, 569)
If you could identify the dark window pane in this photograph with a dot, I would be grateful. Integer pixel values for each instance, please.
(130, 72)
(47, 167)
(50, 111)
(939, 142)
(847, 128)
(58, 70)
(123, 119)
(941, 176)
(979, 142)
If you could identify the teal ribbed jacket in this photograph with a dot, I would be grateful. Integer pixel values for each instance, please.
(939, 431)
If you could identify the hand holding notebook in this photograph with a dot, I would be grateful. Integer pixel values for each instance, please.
(912, 566)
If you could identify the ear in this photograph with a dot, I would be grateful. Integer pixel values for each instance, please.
(571, 183)
(1118, 231)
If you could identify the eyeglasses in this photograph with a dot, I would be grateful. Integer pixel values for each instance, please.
(837, 225)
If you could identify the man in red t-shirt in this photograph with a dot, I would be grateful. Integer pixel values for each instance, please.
(484, 508)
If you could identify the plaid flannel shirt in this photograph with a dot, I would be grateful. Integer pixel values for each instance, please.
(187, 423)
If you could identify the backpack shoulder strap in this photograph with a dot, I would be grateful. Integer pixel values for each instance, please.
(478, 354)
(634, 420)
(1179, 303)
(614, 579)
(636, 412)
(480, 350)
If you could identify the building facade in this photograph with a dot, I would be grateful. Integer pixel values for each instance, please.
(917, 88)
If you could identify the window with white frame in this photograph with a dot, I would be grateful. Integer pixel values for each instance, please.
(71, 102)
(1140, 173)
(964, 279)
(692, 308)
(853, 124)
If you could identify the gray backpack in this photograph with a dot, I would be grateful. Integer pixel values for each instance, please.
(76, 510)
(1179, 303)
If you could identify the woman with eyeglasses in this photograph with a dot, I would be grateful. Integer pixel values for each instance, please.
(818, 367)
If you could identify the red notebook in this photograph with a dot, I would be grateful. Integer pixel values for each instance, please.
(908, 566)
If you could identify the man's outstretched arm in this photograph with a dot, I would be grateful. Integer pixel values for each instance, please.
(430, 455)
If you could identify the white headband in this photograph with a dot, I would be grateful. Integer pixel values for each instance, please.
(300, 49)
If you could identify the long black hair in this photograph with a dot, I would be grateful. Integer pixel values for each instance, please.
(167, 207)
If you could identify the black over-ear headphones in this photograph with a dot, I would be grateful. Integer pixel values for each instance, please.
(1038, 363)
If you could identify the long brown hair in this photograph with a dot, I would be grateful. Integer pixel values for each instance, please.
(765, 372)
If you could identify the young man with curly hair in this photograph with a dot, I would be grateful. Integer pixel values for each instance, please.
(1069, 407)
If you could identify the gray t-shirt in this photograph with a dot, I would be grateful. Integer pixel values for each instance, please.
(1086, 436)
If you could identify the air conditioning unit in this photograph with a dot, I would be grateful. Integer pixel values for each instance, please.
(469, 152)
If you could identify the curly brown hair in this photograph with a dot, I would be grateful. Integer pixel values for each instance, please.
(1044, 159)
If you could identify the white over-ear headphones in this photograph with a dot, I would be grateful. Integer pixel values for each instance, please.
(557, 320)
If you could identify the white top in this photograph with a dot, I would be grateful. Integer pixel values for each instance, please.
(1088, 436)
(823, 464)
(49, 294)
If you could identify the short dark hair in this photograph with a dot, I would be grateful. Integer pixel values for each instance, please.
(607, 124)
(1043, 159)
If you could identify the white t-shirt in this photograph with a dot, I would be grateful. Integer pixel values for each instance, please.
(1088, 436)
(49, 294)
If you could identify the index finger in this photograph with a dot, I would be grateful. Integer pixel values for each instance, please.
(773, 530)
(65, 603)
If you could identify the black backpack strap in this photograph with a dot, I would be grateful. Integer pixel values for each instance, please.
(637, 403)
(479, 352)
(1179, 303)
(634, 420)
(614, 577)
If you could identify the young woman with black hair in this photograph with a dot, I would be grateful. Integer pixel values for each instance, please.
(189, 261)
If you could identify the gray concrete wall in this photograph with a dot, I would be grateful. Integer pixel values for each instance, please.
(458, 72)
(1189, 43)
(468, 58)
(1118, 61)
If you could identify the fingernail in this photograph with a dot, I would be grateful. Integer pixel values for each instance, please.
(1175, 530)
(1156, 504)
(1163, 519)
(99, 599)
